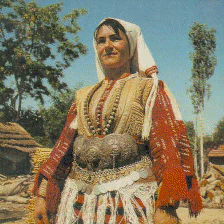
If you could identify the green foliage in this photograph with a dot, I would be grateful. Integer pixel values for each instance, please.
(219, 133)
(32, 121)
(7, 113)
(5, 94)
(36, 45)
(204, 61)
(208, 144)
(29, 119)
(54, 117)
(190, 129)
(190, 132)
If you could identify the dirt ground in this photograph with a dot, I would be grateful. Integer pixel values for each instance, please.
(11, 212)
(208, 215)
(15, 213)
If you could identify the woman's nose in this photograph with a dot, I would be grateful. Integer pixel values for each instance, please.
(108, 44)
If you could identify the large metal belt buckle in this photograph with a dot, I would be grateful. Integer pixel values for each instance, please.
(99, 160)
(112, 151)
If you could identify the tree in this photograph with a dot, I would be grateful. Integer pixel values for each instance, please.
(36, 46)
(190, 131)
(218, 136)
(204, 61)
(32, 121)
(54, 117)
(7, 113)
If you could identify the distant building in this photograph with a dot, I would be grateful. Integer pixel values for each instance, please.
(16, 147)
(216, 156)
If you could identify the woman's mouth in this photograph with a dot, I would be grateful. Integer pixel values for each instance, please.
(110, 54)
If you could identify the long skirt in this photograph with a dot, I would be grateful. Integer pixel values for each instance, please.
(134, 203)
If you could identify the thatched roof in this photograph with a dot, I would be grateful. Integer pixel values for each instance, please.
(217, 152)
(13, 136)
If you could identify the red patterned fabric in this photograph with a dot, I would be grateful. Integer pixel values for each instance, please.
(172, 157)
(61, 147)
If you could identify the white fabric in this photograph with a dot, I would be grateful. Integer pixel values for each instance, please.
(148, 109)
(144, 191)
(175, 106)
(74, 124)
(141, 58)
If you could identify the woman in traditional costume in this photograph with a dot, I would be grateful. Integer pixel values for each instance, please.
(123, 155)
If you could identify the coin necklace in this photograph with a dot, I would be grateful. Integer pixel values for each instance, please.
(104, 130)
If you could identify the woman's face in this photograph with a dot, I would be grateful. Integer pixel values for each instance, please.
(112, 49)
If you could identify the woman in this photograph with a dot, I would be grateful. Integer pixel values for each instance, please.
(130, 148)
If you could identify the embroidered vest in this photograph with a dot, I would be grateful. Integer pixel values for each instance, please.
(130, 113)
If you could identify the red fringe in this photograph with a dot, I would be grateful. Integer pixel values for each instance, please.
(173, 188)
(195, 200)
(53, 195)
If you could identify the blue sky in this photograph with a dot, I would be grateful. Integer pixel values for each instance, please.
(165, 26)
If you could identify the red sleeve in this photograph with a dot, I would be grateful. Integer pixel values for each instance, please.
(61, 147)
(171, 154)
(184, 148)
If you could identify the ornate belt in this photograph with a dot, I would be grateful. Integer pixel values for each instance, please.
(106, 175)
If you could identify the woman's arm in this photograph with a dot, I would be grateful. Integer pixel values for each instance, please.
(48, 181)
(62, 145)
(172, 158)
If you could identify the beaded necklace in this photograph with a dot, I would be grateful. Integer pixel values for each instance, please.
(99, 130)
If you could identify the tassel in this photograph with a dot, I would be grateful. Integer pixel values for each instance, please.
(173, 187)
(53, 194)
(195, 200)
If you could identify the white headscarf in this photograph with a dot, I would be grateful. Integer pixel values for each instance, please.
(141, 63)
(141, 58)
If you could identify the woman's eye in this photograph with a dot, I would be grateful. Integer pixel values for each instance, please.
(100, 40)
(114, 38)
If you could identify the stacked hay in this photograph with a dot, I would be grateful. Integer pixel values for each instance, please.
(212, 187)
(37, 160)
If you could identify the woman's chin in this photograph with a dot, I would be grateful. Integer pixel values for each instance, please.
(110, 65)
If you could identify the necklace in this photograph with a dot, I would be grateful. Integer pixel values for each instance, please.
(98, 129)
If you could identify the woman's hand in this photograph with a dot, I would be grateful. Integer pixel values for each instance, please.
(166, 215)
(40, 212)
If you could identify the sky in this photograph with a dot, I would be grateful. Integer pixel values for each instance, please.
(165, 26)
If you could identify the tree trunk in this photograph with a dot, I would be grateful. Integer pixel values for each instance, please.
(202, 141)
(20, 94)
(19, 107)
